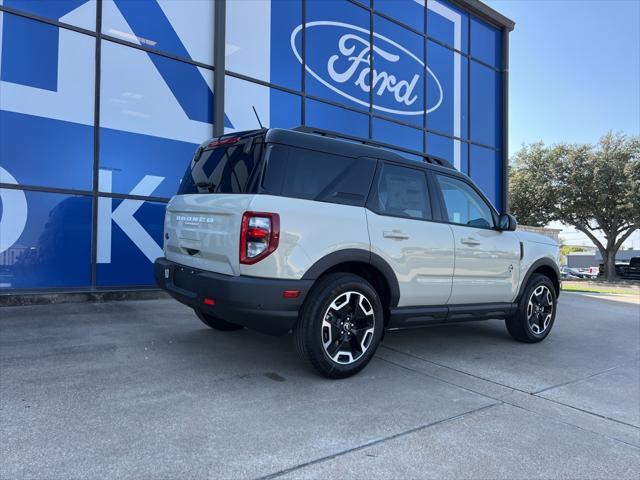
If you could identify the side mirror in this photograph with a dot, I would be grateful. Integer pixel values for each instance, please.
(507, 222)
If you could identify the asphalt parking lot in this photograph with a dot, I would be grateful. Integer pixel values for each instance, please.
(141, 389)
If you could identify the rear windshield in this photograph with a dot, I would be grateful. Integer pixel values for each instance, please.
(228, 165)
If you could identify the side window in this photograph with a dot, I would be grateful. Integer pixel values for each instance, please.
(301, 173)
(401, 192)
(464, 205)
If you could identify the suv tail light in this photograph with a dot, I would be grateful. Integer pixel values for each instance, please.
(259, 236)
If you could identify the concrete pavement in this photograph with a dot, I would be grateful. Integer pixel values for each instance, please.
(141, 389)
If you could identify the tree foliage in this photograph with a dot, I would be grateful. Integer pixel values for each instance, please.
(592, 187)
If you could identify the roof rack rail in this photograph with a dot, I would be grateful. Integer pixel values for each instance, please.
(366, 141)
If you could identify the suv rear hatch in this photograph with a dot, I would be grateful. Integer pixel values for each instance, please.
(202, 222)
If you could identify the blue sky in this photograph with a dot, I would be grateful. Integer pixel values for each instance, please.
(574, 74)
(574, 69)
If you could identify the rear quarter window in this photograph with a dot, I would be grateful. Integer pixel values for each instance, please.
(308, 174)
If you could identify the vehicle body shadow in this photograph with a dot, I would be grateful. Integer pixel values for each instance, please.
(241, 352)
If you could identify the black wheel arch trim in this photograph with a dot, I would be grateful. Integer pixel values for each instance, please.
(542, 262)
(362, 256)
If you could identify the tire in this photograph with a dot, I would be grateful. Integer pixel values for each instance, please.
(536, 311)
(217, 323)
(340, 325)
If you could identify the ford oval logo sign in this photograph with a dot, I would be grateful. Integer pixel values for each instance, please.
(344, 66)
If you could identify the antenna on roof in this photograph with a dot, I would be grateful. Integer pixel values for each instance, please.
(254, 111)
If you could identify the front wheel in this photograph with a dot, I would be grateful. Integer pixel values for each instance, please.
(340, 325)
(536, 311)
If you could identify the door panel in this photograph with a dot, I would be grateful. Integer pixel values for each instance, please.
(420, 253)
(487, 260)
(486, 266)
(399, 210)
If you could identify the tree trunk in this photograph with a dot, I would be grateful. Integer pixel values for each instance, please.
(609, 259)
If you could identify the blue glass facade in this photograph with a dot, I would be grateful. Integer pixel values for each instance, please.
(103, 102)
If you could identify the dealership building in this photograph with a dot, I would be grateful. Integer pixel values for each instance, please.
(103, 103)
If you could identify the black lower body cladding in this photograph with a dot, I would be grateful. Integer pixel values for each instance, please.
(255, 303)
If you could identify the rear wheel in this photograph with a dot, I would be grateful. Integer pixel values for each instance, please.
(340, 325)
(217, 323)
(536, 311)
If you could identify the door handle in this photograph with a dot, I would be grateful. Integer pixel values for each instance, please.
(395, 234)
(470, 241)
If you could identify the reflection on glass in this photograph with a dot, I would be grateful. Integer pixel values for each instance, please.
(54, 249)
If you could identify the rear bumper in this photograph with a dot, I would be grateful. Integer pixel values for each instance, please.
(255, 303)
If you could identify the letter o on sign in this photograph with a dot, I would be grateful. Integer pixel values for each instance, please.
(14, 212)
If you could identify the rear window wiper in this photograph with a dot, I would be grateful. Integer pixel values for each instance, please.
(210, 186)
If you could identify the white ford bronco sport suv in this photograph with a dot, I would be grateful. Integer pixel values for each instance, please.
(278, 230)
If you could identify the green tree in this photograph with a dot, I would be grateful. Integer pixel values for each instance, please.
(594, 188)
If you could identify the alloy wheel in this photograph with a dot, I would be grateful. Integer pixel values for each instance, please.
(540, 309)
(347, 327)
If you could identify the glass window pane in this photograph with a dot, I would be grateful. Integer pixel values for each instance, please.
(226, 168)
(486, 43)
(447, 93)
(448, 24)
(81, 13)
(125, 255)
(409, 12)
(398, 74)
(49, 244)
(486, 171)
(338, 48)
(285, 109)
(401, 192)
(46, 114)
(486, 105)
(265, 54)
(276, 109)
(183, 28)
(301, 173)
(154, 112)
(454, 151)
(395, 134)
(464, 205)
(329, 117)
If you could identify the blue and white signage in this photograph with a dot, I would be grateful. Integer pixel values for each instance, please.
(348, 66)
(155, 109)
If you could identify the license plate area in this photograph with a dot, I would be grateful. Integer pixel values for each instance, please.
(183, 280)
(182, 277)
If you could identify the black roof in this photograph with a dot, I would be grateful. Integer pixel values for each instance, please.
(341, 144)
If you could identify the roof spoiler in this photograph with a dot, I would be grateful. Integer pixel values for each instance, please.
(366, 141)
